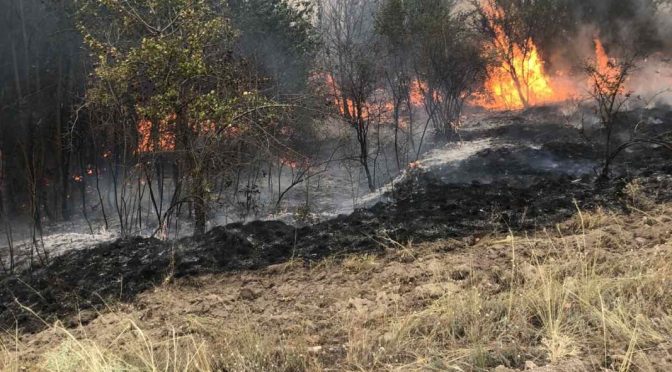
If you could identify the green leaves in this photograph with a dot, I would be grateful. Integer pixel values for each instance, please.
(157, 56)
(174, 62)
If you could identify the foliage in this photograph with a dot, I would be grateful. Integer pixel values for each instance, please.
(445, 53)
(449, 60)
(172, 64)
(161, 70)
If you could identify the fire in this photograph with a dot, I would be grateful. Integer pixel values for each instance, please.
(417, 92)
(164, 140)
(347, 107)
(606, 67)
(145, 136)
(289, 162)
(531, 88)
(153, 138)
(601, 56)
(420, 91)
(379, 105)
(520, 80)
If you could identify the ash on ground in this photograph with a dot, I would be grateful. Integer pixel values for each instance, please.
(518, 172)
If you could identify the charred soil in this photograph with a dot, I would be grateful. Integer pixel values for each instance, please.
(517, 194)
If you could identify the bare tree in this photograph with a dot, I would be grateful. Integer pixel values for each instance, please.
(350, 57)
(608, 79)
(451, 65)
(391, 23)
(511, 27)
(609, 93)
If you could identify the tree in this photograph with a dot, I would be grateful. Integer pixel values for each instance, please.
(431, 51)
(351, 59)
(449, 61)
(608, 80)
(512, 28)
(391, 24)
(167, 81)
(42, 76)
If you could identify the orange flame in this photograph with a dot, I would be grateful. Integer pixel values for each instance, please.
(605, 66)
(601, 56)
(520, 80)
(347, 107)
(420, 91)
(163, 141)
(417, 92)
(379, 105)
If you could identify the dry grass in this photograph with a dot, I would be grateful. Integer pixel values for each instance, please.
(359, 263)
(593, 294)
(129, 348)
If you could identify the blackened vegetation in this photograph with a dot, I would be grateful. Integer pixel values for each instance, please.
(422, 208)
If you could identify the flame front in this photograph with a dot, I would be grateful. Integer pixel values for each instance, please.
(530, 87)
(606, 67)
(161, 138)
(520, 79)
(377, 106)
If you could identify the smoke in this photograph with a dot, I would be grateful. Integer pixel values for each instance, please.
(642, 27)
(663, 24)
(278, 37)
(652, 81)
(626, 28)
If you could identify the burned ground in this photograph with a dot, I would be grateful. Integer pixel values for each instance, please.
(568, 299)
(537, 179)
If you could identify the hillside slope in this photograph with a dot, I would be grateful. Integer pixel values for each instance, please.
(592, 293)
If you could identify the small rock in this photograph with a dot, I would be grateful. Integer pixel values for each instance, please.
(530, 365)
(502, 368)
(433, 290)
(459, 275)
(248, 294)
(315, 349)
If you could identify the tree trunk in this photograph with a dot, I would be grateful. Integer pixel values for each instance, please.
(519, 88)
(362, 138)
(607, 152)
(364, 160)
(200, 207)
(396, 133)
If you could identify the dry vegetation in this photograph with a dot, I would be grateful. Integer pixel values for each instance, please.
(593, 294)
